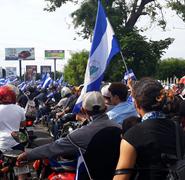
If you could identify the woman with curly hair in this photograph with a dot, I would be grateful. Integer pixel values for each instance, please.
(144, 144)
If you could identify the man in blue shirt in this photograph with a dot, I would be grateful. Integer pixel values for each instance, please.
(123, 108)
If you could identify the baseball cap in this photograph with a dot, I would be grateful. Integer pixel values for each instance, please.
(92, 99)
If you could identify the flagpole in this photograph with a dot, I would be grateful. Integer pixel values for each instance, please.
(124, 61)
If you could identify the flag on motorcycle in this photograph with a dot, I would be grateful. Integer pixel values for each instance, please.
(104, 47)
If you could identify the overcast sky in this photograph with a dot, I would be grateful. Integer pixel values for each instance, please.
(23, 23)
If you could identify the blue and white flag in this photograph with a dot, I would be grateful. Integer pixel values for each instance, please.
(46, 81)
(2, 81)
(43, 78)
(23, 88)
(129, 74)
(79, 167)
(104, 47)
(61, 79)
(21, 85)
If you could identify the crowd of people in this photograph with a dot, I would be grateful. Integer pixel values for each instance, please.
(129, 126)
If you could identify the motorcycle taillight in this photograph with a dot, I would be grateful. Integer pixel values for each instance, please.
(29, 123)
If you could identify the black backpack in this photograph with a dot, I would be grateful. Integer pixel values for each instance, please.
(176, 171)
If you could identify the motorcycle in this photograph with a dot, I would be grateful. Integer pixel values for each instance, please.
(61, 127)
(55, 169)
(8, 167)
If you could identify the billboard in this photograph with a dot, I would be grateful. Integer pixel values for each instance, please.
(11, 71)
(54, 54)
(45, 69)
(19, 53)
(31, 72)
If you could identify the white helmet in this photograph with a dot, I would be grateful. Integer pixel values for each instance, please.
(105, 90)
(65, 91)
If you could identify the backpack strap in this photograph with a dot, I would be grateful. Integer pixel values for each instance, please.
(74, 144)
(27, 96)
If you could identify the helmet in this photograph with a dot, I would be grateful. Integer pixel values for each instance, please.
(105, 90)
(7, 95)
(65, 91)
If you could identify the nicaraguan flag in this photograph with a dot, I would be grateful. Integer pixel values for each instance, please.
(3, 81)
(129, 74)
(104, 47)
(23, 88)
(43, 78)
(46, 81)
(81, 166)
(61, 79)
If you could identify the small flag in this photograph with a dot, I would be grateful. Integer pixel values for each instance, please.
(61, 79)
(2, 81)
(46, 81)
(129, 74)
(104, 47)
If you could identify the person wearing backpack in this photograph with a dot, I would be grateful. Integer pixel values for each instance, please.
(143, 146)
(31, 104)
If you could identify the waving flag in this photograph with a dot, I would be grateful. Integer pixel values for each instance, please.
(47, 80)
(61, 79)
(104, 47)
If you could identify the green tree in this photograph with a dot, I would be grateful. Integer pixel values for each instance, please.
(140, 54)
(123, 14)
(179, 7)
(74, 71)
(171, 67)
